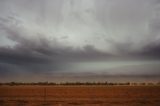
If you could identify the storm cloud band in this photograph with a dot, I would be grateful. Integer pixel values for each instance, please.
(46, 37)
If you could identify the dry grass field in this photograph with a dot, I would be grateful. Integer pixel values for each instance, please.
(79, 95)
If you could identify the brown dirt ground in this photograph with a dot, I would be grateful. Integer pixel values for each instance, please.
(79, 95)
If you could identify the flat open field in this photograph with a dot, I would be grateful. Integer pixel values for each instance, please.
(79, 95)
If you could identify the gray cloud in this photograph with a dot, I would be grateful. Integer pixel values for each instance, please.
(41, 54)
(58, 36)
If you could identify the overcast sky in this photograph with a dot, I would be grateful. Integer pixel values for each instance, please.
(42, 39)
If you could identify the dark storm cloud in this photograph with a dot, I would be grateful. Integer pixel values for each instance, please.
(152, 51)
(40, 54)
(149, 51)
(38, 59)
(57, 35)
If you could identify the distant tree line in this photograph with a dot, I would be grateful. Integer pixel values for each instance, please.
(81, 83)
